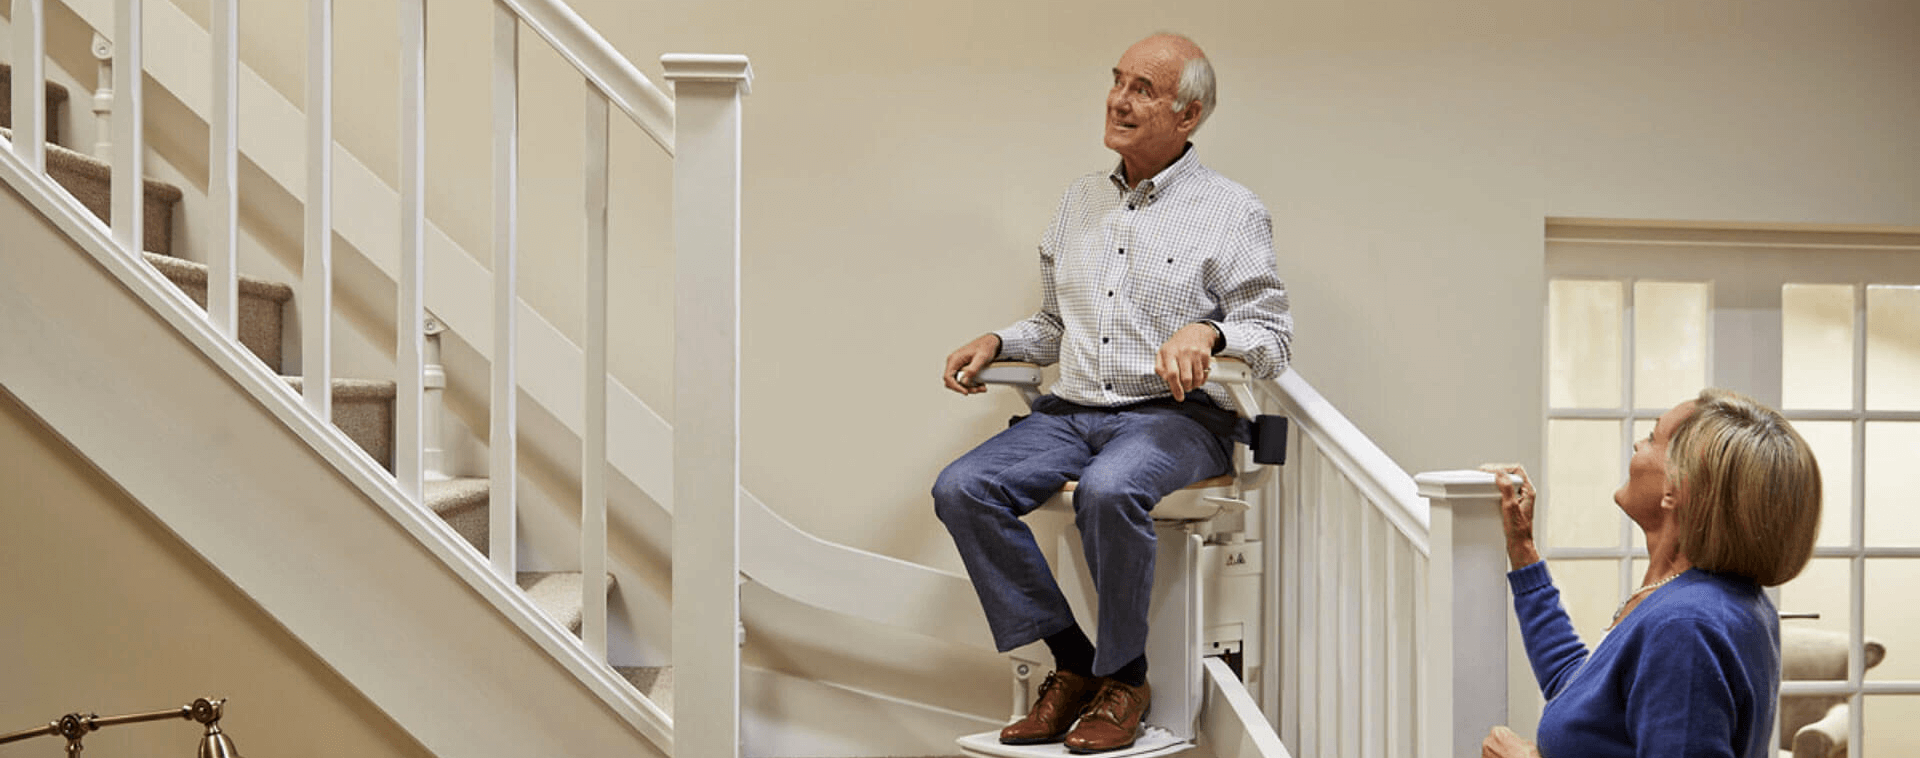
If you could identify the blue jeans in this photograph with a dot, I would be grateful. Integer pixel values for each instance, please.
(1125, 462)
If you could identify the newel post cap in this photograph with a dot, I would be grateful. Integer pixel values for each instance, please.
(1460, 484)
(705, 67)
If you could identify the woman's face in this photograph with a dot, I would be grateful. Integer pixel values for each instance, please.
(1647, 470)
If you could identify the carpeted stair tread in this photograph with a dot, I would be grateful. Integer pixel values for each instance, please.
(363, 409)
(656, 682)
(262, 304)
(56, 100)
(90, 180)
(353, 389)
(183, 271)
(558, 595)
(462, 503)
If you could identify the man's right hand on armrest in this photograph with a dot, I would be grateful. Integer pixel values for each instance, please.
(965, 364)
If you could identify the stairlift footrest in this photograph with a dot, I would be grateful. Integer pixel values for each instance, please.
(1153, 741)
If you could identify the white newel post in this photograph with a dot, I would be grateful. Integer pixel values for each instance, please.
(706, 401)
(1465, 666)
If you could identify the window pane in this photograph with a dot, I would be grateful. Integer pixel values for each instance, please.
(1590, 590)
(1832, 443)
(1583, 469)
(1893, 348)
(1890, 726)
(1823, 588)
(1893, 518)
(1892, 617)
(1583, 333)
(1669, 342)
(1816, 346)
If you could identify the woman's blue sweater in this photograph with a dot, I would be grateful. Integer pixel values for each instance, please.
(1693, 671)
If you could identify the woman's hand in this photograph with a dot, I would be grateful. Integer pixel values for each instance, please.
(1516, 512)
(1503, 743)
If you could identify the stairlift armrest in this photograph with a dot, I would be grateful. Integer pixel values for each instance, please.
(1022, 377)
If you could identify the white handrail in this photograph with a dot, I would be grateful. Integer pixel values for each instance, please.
(602, 65)
(1361, 461)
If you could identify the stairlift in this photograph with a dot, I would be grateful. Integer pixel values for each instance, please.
(1206, 591)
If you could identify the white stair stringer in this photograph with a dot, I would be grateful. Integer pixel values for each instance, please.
(127, 370)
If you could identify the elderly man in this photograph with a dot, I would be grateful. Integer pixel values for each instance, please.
(1146, 272)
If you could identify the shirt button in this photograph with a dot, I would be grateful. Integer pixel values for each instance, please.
(1105, 340)
(1123, 251)
(1109, 293)
(1129, 206)
(1109, 387)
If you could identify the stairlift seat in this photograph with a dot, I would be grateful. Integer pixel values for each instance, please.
(1177, 640)
(1200, 501)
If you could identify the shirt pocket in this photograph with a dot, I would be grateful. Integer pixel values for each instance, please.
(1170, 287)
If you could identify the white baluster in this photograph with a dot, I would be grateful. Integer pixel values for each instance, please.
(1465, 662)
(29, 88)
(593, 440)
(410, 360)
(503, 443)
(223, 183)
(706, 405)
(128, 172)
(316, 301)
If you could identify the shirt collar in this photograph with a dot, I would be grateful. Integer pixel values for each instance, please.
(1153, 187)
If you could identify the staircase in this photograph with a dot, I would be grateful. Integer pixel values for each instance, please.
(453, 520)
(362, 408)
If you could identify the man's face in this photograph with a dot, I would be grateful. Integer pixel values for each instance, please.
(1141, 124)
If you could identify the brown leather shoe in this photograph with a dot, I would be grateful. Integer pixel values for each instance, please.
(1062, 695)
(1112, 720)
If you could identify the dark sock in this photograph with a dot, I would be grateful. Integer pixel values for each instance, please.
(1072, 651)
(1133, 674)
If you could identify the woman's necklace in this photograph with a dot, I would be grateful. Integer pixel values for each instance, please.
(1637, 593)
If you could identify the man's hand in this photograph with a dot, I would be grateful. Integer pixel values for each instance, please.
(1186, 359)
(964, 364)
(1503, 743)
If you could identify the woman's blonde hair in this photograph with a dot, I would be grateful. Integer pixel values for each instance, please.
(1749, 487)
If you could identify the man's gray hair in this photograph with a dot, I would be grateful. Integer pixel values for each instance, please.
(1196, 83)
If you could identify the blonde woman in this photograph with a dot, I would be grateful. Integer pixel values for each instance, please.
(1728, 495)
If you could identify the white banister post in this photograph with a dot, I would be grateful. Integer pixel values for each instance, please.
(433, 386)
(1465, 669)
(708, 90)
(103, 98)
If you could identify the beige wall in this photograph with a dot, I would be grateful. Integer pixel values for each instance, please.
(108, 612)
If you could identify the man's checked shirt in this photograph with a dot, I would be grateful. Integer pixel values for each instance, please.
(1122, 269)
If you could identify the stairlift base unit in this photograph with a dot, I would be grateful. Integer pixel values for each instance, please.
(1153, 741)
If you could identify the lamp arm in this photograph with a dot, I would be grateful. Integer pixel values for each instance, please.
(73, 726)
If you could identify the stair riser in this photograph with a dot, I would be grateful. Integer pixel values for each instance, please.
(95, 193)
(56, 104)
(261, 320)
